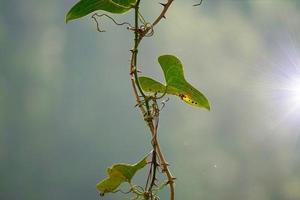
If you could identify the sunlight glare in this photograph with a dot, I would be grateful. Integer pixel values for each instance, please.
(294, 90)
(286, 84)
(288, 88)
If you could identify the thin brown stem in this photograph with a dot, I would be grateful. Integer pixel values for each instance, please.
(138, 93)
(163, 13)
(94, 17)
(163, 162)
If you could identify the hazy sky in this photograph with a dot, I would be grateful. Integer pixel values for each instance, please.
(68, 111)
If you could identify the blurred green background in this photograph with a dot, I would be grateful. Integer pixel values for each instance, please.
(67, 110)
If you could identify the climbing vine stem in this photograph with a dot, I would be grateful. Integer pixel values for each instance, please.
(147, 93)
(150, 118)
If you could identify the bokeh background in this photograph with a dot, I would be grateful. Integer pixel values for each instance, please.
(67, 111)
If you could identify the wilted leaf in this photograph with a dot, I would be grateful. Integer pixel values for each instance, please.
(118, 174)
(176, 83)
(85, 7)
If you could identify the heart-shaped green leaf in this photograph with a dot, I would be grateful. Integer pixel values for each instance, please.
(85, 7)
(176, 83)
(118, 174)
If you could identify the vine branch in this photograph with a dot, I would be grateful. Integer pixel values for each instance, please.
(164, 11)
(140, 33)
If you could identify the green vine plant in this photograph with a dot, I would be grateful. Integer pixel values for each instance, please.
(150, 96)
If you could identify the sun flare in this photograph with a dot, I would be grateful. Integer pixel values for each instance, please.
(287, 84)
(293, 89)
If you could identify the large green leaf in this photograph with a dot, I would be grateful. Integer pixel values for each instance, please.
(118, 174)
(85, 7)
(176, 83)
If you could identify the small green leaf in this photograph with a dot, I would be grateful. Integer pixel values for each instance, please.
(176, 83)
(150, 85)
(85, 7)
(118, 174)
